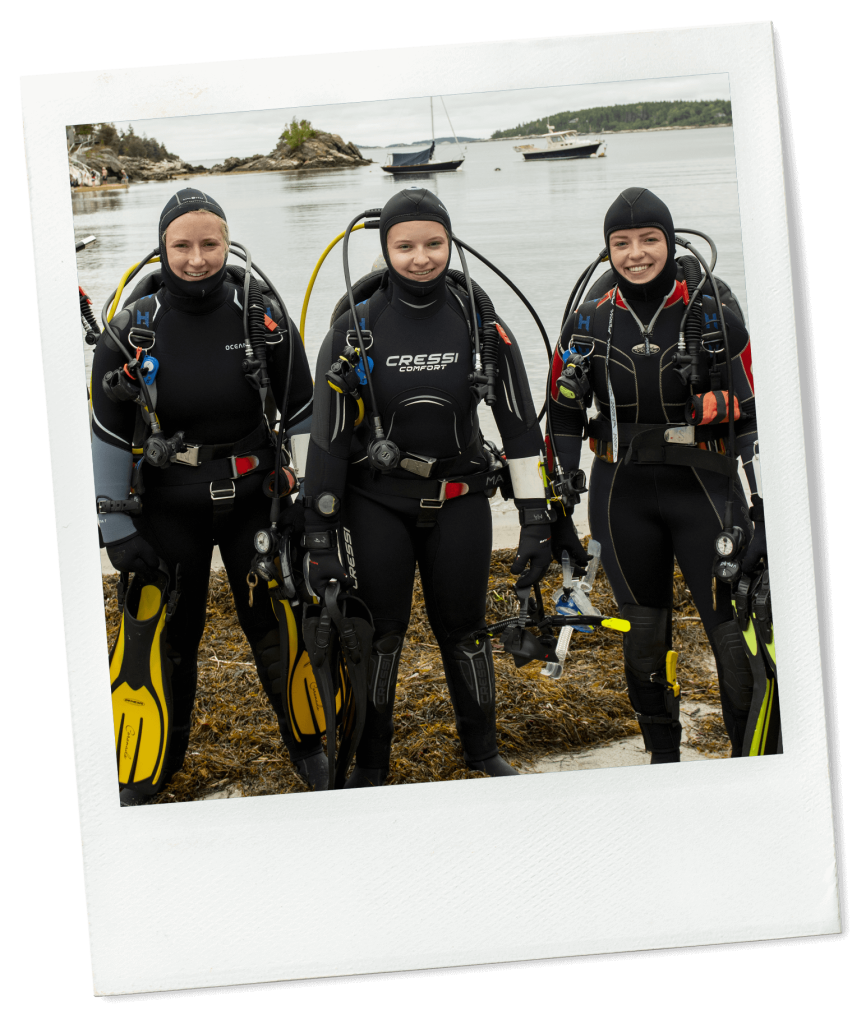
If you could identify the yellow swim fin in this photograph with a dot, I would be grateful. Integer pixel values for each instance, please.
(140, 673)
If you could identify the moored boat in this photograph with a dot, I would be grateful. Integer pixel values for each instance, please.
(567, 145)
(422, 161)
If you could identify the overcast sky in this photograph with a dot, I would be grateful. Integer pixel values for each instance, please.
(385, 122)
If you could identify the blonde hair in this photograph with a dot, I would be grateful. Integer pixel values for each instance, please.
(226, 237)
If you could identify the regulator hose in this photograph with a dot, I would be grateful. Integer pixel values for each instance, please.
(489, 335)
(694, 279)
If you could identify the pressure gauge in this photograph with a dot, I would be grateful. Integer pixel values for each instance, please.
(262, 542)
(725, 545)
(326, 504)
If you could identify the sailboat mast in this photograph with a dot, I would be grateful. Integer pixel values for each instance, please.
(432, 130)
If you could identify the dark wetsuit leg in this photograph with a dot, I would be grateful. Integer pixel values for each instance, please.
(180, 523)
(643, 515)
(454, 560)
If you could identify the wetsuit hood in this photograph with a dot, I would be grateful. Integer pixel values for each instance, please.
(182, 202)
(414, 204)
(640, 208)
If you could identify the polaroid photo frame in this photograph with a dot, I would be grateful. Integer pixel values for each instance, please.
(481, 871)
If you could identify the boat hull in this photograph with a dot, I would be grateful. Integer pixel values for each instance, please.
(444, 165)
(573, 153)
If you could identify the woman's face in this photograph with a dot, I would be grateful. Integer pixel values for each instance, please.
(638, 254)
(418, 249)
(196, 245)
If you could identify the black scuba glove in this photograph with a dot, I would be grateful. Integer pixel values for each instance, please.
(757, 548)
(132, 554)
(533, 554)
(322, 561)
(563, 537)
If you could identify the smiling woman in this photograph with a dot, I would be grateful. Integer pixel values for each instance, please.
(196, 244)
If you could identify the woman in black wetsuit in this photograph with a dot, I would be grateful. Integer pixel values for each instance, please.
(649, 502)
(422, 355)
(195, 320)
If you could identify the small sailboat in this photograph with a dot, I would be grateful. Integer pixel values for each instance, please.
(422, 162)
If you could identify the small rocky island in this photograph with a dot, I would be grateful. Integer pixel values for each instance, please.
(128, 157)
(298, 151)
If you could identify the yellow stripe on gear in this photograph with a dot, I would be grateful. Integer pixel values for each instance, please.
(303, 703)
(622, 625)
(671, 671)
(140, 693)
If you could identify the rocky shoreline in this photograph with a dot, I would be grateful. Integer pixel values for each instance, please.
(322, 152)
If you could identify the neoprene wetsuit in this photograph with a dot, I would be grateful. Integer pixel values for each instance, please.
(644, 507)
(200, 388)
(422, 354)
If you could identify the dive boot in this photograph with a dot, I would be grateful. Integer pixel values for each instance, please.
(314, 770)
(131, 798)
(495, 766)
(140, 672)
(362, 778)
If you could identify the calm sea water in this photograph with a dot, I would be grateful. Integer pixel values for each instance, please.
(541, 223)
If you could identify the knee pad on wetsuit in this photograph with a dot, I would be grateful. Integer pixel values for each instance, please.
(383, 670)
(651, 677)
(475, 667)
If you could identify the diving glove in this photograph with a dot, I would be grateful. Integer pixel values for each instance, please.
(132, 554)
(757, 548)
(322, 562)
(563, 537)
(533, 554)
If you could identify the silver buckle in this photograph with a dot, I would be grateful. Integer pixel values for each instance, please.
(436, 503)
(680, 435)
(418, 465)
(223, 493)
(189, 457)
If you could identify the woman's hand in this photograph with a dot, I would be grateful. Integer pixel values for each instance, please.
(563, 537)
(533, 554)
(132, 554)
(320, 567)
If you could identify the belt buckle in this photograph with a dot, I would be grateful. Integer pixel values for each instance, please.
(418, 465)
(680, 435)
(189, 457)
(223, 493)
(436, 503)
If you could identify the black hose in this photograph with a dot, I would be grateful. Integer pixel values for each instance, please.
(378, 432)
(693, 326)
(489, 352)
(513, 287)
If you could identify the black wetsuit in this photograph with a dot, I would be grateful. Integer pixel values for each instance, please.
(646, 511)
(422, 354)
(201, 389)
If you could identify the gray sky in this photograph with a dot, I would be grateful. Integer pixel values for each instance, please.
(384, 122)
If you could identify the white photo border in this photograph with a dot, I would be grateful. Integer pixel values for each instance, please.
(477, 871)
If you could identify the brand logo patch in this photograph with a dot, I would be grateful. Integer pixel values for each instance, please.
(641, 350)
(433, 361)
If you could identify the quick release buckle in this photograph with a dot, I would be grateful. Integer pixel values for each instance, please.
(189, 457)
(680, 435)
(418, 464)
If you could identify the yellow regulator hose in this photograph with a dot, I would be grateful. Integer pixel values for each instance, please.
(122, 285)
(318, 266)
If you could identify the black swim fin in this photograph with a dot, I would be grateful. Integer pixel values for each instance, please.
(753, 612)
(140, 673)
(354, 625)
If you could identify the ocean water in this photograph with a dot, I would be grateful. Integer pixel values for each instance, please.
(540, 222)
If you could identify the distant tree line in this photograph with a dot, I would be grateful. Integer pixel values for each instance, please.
(628, 117)
(124, 143)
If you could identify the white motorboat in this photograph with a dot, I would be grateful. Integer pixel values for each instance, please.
(567, 145)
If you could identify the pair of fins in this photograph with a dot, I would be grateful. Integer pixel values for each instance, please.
(754, 615)
(338, 637)
(140, 673)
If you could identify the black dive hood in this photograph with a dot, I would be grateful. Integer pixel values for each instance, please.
(414, 204)
(180, 203)
(640, 208)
